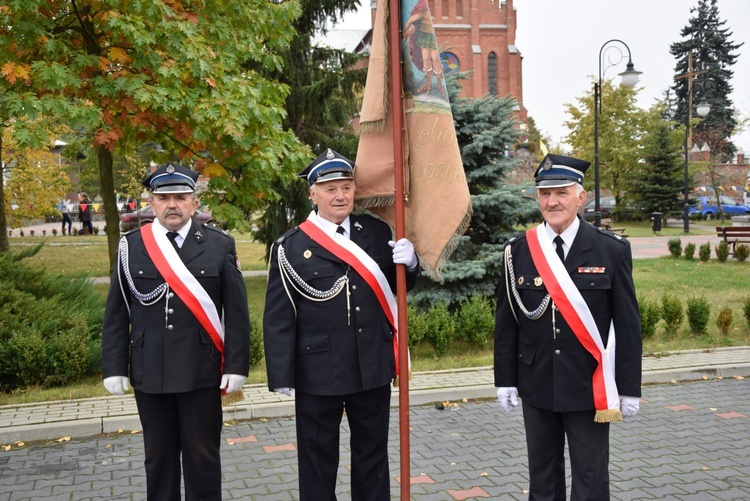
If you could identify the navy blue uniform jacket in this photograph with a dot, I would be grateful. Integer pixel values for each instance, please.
(317, 349)
(552, 370)
(163, 345)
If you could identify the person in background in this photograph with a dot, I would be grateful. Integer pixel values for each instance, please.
(176, 322)
(327, 335)
(65, 211)
(567, 289)
(84, 213)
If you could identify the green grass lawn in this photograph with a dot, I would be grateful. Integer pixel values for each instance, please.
(722, 284)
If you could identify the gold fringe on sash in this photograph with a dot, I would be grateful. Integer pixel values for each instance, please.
(608, 416)
(232, 398)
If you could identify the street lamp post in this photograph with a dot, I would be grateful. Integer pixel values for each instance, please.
(629, 79)
(702, 109)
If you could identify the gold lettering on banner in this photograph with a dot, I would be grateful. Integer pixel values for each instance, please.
(433, 135)
(449, 173)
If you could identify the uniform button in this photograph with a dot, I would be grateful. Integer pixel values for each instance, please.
(356, 309)
(170, 311)
(140, 272)
(315, 273)
(359, 331)
(171, 295)
(557, 352)
(591, 284)
(557, 331)
(307, 348)
(170, 327)
(203, 272)
(354, 287)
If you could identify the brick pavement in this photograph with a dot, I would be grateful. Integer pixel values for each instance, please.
(690, 441)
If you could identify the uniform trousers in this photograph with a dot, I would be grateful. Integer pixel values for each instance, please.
(588, 445)
(182, 423)
(318, 422)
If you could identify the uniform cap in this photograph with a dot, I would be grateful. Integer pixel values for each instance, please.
(330, 165)
(171, 178)
(557, 171)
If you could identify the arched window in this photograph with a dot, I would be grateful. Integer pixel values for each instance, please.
(450, 62)
(492, 74)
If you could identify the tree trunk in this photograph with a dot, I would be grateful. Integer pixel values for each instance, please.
(4, 243)
(111, 216)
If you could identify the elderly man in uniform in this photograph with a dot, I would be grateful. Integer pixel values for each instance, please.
(329, 327)
(567, 292)
(176, 320)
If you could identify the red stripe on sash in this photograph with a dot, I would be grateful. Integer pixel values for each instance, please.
(346, 256)
(570, 315)
(179, 287)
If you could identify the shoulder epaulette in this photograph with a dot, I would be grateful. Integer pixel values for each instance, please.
(216, 229)
(611, 234)
(286, 234)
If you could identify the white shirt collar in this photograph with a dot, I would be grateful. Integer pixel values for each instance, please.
(182, 232)
(330, 228)
(568, 235)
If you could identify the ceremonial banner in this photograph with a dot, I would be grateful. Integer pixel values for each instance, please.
(437, 205)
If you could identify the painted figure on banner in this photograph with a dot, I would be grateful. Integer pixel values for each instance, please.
(422, 51)
(437, 205)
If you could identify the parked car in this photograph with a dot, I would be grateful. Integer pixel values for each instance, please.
(707, 208)
(129, 220)
(607, 207)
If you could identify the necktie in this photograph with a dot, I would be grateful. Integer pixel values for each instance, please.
(558, 248)
(340, 230)
(172, 236)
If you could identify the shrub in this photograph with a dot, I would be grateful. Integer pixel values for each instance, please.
(690, 251)
(441, 327)
(704, 252)
(256, 340)
(746, 310)
(54, 232)
(418, 325)
(698, 314)
(675, 247)
(722, 251)
(475, 321)
(50, 325)
(724, 320)
(741, 252)
(671, 312)
(650, 316)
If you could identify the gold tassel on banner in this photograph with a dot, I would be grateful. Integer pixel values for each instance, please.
(232, 398)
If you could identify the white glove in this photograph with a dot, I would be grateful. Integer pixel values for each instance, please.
(283, 391)
(507, 397)
(403, 253)
(629, 406)
(232, 382)
(116, 385)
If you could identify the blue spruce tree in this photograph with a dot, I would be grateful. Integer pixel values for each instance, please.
(487, 133)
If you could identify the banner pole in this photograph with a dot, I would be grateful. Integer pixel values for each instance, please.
(396, 105)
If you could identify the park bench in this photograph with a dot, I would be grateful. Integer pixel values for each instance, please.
(607, 225)
(734, 235)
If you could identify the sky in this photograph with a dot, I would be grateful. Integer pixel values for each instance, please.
(560, 43)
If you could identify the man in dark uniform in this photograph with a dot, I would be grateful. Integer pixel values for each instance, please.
(329, 337)
(177, 321)
(567, 291)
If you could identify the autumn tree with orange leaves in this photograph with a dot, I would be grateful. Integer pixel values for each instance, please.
(166, 72)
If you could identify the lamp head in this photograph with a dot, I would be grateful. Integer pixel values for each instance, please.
(630, 76)
(703, 108)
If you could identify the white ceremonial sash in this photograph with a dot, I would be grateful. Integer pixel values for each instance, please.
(353, 255)
(184, 284)
(576, 312)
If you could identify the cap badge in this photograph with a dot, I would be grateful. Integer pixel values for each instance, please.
(547, 164)
(307, 254)
(170, 169)
(198, 235)
(538, 281)
(329, 154)
(520, 280)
